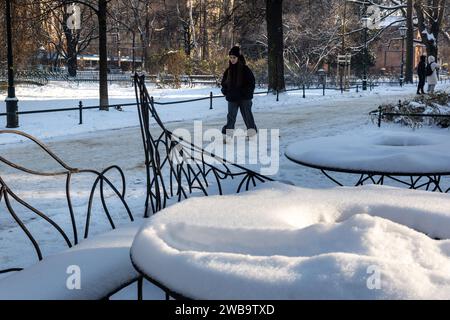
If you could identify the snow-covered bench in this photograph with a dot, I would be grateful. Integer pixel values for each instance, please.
(93, 268)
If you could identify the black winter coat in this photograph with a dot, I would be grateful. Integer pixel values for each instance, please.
(422, 69)
(244, 92)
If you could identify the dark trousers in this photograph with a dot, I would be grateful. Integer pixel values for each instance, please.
(246, 111)
(421, 85)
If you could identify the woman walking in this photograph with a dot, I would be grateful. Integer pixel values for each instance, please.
(422, 73)
(432, 77)
(238, 85)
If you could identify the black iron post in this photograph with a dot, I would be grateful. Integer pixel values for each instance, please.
(364, 82)
(210, 100)
(380, 114)
(80, 109)
(403, 62)
(12, 118)
(403, 34)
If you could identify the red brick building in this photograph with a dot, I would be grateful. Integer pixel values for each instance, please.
(388, 51)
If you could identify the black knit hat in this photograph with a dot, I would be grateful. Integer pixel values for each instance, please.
(235, 51)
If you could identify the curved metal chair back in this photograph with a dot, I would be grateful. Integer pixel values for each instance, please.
(7, 195)
(176, 167)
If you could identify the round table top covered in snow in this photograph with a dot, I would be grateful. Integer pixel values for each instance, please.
(286, 242)
(384, 152)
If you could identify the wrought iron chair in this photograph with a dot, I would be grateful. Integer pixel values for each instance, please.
(175, 167)
(7, 195)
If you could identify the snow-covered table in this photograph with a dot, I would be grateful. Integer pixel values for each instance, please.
(286, 242)
(416, 159)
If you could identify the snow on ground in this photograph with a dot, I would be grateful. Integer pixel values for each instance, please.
(114, 137)
(286, 242)
(55, 95)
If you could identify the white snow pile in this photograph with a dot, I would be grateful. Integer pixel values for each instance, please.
(386, 151)
(286, 242)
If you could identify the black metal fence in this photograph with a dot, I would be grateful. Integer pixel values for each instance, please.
(323, 87)
(80, 109)
(42, 77)
(210, 97)
(26, 77)
(380, 115)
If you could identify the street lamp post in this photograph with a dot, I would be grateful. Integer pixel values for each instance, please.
(402, 30)
(365, 21)
(12, 119)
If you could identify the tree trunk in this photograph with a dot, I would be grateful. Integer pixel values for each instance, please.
(191, 25)
(187, 39)
(134, 53)
(433, 46)
(71, 40)
(145, 39)
(103, 51)
(409, 43)
(168, 26)
(232, 26)
(429, 21)
(204, 30)
(274, 19)
(72, 65)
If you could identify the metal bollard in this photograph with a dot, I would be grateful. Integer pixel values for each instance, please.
(80, 108)
(304, 95)
(323, 88)
(12, 118)
(357, 88)
(380, 114)
(278, 95)
(210, 100)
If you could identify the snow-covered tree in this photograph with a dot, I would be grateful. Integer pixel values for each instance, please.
(430, 16)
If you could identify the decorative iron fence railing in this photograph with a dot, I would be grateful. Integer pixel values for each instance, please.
(380, 115)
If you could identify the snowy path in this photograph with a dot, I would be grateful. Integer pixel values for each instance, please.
(304, 120)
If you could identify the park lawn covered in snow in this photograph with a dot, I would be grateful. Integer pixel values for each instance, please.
(286, 242)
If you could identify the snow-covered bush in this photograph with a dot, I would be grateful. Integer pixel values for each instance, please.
(436, 104)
